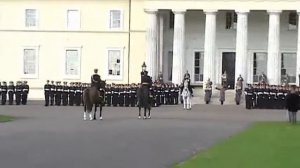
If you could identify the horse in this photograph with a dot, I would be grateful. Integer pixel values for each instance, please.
(93, 97)
(144, 100)
(238, 89)
(186, 95)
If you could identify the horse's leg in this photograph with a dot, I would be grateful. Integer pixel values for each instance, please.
(100, 115)
(95, 111)
(145, 111)
(149, 112)
(184, 103)
(189, 103)
(140, 108)
(84, 113)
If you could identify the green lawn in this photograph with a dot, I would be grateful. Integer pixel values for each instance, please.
(264, 145)
(4, 118)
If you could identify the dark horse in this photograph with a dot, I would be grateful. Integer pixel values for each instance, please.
(93, 97)
(144, 100)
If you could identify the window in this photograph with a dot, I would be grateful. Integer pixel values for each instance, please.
(259, 65)
(115, 64)
(30, 18)
(288, 66)
(30, 62)
(171, 21)
(72, 63)
(198, 66)
(231, 20)
(292, 21)
(115, 19)
(73, 19)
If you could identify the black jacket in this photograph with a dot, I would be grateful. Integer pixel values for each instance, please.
(292, 102)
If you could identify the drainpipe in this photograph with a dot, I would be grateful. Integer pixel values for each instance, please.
(129, 40)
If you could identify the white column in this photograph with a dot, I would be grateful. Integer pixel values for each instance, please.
(161, 42)
(274, 68)
(178, 47)
(241, 61)
(210, 46)
(298, 50)
(151, 42)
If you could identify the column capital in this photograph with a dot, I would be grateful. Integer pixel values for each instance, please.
(274, 12)
(151, 11)
(178, 11)
(210, 11)
(242, 11)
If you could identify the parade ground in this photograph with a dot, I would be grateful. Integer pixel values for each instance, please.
(54, 136)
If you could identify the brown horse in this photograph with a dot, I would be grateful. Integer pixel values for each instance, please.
(93, 97)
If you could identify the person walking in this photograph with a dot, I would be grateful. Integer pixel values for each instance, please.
(292, 103)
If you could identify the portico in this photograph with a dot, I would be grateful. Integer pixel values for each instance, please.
(261, 41)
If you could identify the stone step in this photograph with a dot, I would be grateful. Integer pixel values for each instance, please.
(229, 97)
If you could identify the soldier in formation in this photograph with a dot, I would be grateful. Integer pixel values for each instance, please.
(19, 92)
(265, 96)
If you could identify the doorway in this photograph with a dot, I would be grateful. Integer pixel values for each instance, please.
(228, 65)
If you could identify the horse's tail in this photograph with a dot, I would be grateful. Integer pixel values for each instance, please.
(86, 100)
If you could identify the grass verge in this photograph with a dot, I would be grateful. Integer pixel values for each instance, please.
(4, 118)
(264, 145)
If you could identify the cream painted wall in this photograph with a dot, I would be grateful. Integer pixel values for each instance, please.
(94, 37)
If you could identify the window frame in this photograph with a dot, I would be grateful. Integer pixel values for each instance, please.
(114, 77)
(233, 21)
(193, 71)
(288, 52)
(67, 19)
(75, 77)
(252, 74)
(296, 20)
(36, 74)
(36, 19)
(110, 21)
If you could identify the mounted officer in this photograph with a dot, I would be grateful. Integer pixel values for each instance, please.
(96, 79)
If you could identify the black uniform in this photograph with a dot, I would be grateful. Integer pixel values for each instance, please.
(71, 95)
(18, 94)
(52, 93)
(108, 96)
(78, 95)
(47, 90)
(133, 96)
(65, 95)
(3, 93)
(11, 91)
(25, 92)
(115, 95)
(58, 92)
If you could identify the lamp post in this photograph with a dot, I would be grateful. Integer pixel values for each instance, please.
(299, 79)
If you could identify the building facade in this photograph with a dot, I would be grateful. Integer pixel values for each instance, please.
(65, 40)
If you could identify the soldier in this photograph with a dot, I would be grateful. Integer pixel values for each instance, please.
(18, 93)
(208, 91)
(176, 94)
(222, 89)
(249, 96)
(71, 94)
(133, 93)
(127, 96)
(238, 89)
(162, 94)
(65, 92)
(224, 79)
(108, 95)
(52, 92)
(187, 75)
(78, 94)
(25, 92)
(3, 92)
(167, 94)
(115, 94)
(58, 93)
(172, 94)
(11, 91)
(121, 95)
(47, 88)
